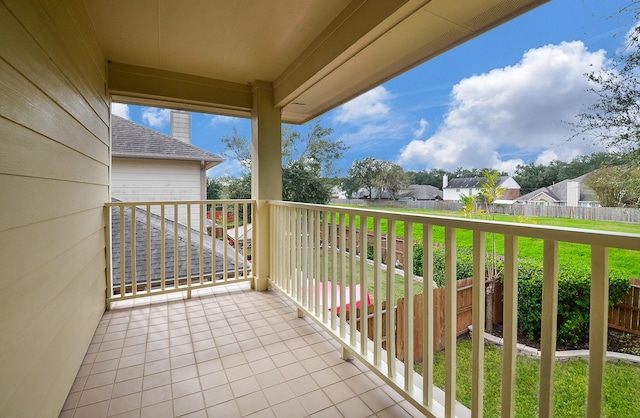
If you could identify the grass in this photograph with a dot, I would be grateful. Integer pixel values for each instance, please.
(621, 385)
(398, 282)
(528, 248)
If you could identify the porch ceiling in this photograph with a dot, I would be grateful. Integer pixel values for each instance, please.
(204, 55)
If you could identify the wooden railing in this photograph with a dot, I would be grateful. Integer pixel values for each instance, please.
(162, 247)
(316, 276)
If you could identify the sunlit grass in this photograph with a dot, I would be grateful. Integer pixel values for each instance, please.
(528, 248)
(621, 385)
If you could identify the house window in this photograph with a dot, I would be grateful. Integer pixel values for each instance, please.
(457, 190)
(470, 192)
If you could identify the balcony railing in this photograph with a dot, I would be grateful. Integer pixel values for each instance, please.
(162, 247)
(319, 258)
(318, 252)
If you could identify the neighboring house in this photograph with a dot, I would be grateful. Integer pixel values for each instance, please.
(454, 188)
(241, 237)
(412, 192)
(564, 193)
(150, 166)
(421, 192)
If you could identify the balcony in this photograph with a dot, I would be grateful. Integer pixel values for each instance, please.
(201, 342)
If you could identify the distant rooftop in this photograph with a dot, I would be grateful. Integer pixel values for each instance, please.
(132, 140)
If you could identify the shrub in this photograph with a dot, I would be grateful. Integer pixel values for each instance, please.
(464, 263)
(574, 286)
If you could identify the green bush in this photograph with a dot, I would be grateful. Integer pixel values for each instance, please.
(464, 263)
(574, 285)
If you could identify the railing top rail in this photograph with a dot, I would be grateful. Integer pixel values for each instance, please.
(173, 202)
(608, 239)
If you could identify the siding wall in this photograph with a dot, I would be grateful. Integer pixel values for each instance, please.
(135, 179)
(54, 176)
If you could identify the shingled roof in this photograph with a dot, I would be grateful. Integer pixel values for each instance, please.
(131, 140)
(156, 242)
(558, 191)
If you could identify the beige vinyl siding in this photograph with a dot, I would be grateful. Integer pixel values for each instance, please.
(139, 179)
(156, 180)
(54, 176)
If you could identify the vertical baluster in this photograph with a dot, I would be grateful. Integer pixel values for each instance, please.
(334, 269)
(427, 314)
(163, 248)
(203, 213)
(353, 310)
(189, 261)
(450, 321)
(408, 305)
(148, 252)
(377, 292)
(123, 270)
(304, 244)
(478, 292)
(238, 246)
(598, 327)
(109, 253)
(248, 244)
(343, 275)
(134, 265)
(214, 268)
(510, 328)
(364, 287)
(317, 266)
(176, 244)
(549, 325)
(225, 247)
(325, 266)
(391, 297)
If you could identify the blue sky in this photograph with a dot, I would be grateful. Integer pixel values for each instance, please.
(502, 99)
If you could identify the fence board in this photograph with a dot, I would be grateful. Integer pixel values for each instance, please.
(625, 316)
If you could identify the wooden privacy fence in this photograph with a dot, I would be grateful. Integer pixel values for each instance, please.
(370, 239)
(625, 316)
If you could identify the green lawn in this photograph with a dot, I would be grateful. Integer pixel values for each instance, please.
(621, 386)
(529, 248)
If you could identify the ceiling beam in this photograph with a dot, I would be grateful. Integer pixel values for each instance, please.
(359, 24)
(142, 85)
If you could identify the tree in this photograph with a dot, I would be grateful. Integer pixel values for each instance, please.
(306, 158)
(617, 186)
(468, 204)
(431, 177)
(394, 179)
(366, 173)
(303, 183)
(613, 118)
(214, 189)
(490, 191)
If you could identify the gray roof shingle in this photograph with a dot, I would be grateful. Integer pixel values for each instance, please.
(155, 251)
(131, 140)
(558, 191)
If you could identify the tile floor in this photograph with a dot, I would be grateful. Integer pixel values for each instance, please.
(226, 352)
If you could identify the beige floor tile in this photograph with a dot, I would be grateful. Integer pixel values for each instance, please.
(158, 410)
(315, 401)
(354, 408)
(185, 387)
(251, 403)
(227, 409)
(156, 395)
(188, 404)
(125, 403)
(290, 409)
(219, 394)
(127, 387)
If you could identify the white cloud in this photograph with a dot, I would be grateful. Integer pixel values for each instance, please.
(217, 120)
(421, 130)
(522, 109)
(120, 109)
(230, 168)
(155, 117)
(369, 106)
